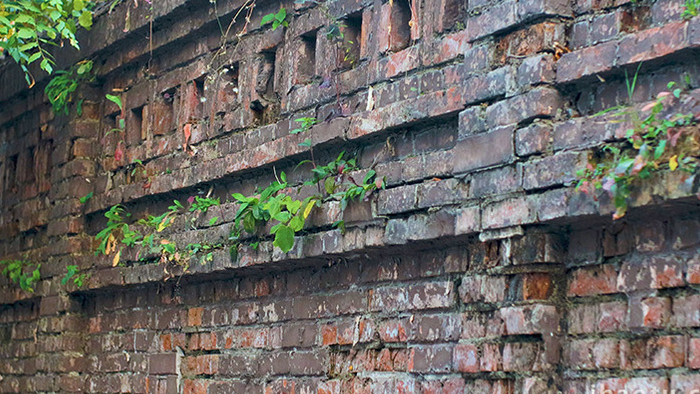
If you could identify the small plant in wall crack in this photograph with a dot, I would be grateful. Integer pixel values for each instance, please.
(306, 124)
(72, 275)
(277, 20)
(119, 128)
(658, 141)
(22, 273)
(691, 8)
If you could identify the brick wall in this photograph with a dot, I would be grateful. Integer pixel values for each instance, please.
(478, 269)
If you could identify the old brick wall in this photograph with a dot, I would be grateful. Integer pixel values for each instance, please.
(478, 269)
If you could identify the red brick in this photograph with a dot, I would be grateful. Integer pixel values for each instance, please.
(693, 353)
(530, 319)
(592, 281)
(466, 358)
(491, 359)
(537, 286)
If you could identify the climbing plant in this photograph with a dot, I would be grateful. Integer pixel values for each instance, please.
(657, 141)
(275, 204)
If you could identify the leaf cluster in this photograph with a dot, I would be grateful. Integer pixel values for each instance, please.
(72, 273)
(27, 27)
(59, 90)
(277, 19)
(656, 142)
(22, 273)
(691, 8)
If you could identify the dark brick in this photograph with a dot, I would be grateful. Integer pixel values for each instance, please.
(484, 150)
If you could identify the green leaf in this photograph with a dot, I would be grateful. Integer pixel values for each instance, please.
(293, 206)
(46, 66)
(85, 198)
(85, 19)
(34, 57)
(281, 14)
(78, 5)
(297, 223)
(249, 223)
(370, 175)
(79, 107)
(282, 217)
(329, 185)
(213, 220)
(273, 206)
(26, 33)
(26, 19)
(240, 197)
(115, 100)
(284, 238)
(660, 149)
(267, 19)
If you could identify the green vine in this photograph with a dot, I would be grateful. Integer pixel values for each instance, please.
(272, 205)
(656, 142)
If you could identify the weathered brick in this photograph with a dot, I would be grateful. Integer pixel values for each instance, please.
(533, 139)
(554, 170)
(470, 153)
(540, 102)
(531, 319)
(592, 281)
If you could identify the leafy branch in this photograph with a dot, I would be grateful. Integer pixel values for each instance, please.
(27, 27)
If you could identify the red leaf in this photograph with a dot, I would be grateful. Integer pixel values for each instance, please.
(638, 165)
(187, 130)
(673, 138)
(119, 152)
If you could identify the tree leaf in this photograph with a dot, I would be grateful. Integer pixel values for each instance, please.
(293, 206)
(85, 19)
(284, 238)
(249, 223)
(329, 185)
(85, 199)
(283, 217)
